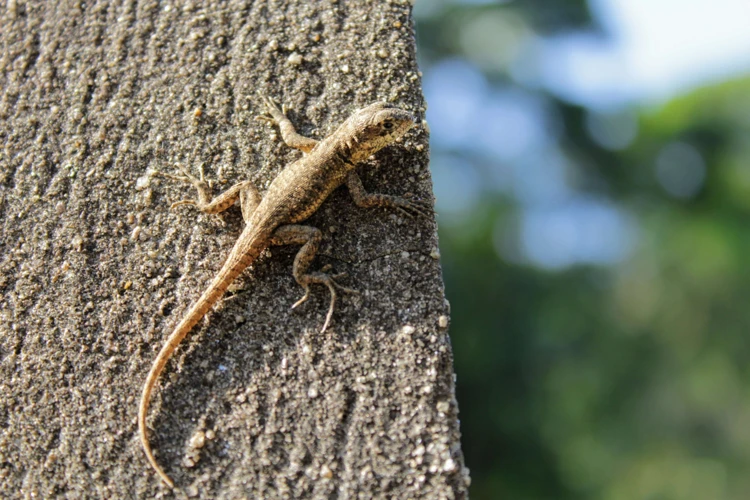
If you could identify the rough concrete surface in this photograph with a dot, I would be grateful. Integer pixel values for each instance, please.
(95, 269)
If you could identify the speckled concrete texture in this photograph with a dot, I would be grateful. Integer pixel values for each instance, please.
(95, 269)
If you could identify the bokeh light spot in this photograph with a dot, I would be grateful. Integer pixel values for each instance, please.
(680, 169)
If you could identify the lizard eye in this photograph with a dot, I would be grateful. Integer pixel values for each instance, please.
(388, 125)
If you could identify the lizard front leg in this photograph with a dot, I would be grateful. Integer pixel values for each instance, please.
(244, 191)
(364, 199)
(288, 132)
(309, 237)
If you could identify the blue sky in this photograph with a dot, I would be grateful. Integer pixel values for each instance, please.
(653, 51)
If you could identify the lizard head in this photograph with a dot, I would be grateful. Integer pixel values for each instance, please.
(374, 127)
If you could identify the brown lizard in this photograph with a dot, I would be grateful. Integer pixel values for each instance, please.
(293, 196)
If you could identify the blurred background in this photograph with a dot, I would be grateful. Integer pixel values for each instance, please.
(592, 171)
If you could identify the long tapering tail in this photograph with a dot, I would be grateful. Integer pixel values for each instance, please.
(242, 255)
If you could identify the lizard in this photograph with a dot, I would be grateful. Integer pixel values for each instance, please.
(293, 196)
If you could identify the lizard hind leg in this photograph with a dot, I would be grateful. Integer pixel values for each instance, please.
(309, 237)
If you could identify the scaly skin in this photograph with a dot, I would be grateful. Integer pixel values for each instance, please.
(293, 196)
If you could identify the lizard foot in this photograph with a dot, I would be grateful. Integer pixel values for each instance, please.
(276, 115)
(410, 207)
(329, 281)
(289, 135)
(204, 191)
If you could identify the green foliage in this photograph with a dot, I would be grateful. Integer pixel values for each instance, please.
(617, 381)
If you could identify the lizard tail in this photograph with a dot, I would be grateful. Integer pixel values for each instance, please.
(238, 261)
(199, 309)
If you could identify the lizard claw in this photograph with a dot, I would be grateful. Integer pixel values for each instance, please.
(332, 286)
(182, 202)
(199, 183)
(304, 297)
(264, 118)
(330, 281)
(272, 109)
(186, 176)
(410, 207)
